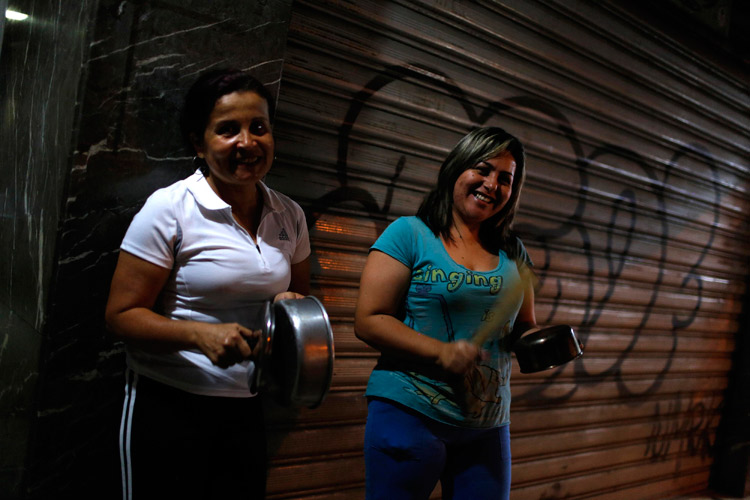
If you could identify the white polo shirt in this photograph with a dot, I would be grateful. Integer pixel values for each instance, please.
(219, 274)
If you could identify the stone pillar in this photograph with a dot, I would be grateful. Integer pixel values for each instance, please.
(40, 70)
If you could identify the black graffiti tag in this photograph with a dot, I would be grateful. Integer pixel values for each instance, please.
(624, 212)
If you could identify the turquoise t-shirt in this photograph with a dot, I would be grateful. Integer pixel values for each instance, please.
(448, 302)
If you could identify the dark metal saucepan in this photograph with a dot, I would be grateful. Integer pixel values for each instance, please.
(547, 348)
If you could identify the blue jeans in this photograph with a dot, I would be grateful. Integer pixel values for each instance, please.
(407, 453)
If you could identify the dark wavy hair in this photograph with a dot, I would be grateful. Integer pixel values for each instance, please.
(209, 88)
(479, 145)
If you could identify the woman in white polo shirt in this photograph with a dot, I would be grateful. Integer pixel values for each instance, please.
(195, 264)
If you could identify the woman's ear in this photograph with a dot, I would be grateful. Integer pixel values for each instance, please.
(197, 145)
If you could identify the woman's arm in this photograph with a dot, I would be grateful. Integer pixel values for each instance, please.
(135, 287)
(383, 286)
(526, 318)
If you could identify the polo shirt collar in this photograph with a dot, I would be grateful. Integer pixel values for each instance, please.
(269, 200)
(208, 199)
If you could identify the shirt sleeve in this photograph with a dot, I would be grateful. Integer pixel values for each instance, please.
(397, 241)
(154, 232)
(523, 255)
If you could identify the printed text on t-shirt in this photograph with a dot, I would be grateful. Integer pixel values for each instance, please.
(456, 279)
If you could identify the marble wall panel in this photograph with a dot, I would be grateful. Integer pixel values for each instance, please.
(142, 57)
(39, 85)
(3, 7)
(19, 348)
(40, 65)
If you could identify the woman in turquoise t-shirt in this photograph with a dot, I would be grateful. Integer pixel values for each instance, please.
(438, 403)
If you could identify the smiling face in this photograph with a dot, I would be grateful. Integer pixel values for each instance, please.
(237, 143)
(483, 190)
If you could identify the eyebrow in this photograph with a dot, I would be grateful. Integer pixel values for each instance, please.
(487, 164)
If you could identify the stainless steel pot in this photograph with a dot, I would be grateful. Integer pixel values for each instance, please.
(547, 348)
(296, 362)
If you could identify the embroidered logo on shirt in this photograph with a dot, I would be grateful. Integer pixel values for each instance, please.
(283, 236)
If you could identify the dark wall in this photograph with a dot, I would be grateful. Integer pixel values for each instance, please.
(730, 473)
(89, 129)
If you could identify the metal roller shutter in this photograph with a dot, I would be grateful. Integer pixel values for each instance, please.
(634, 211)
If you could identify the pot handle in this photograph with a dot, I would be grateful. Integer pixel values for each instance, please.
(255, 379)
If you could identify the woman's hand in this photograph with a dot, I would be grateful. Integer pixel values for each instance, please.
(458, 357)
(288, 295)
(227, 343)
(299, 285)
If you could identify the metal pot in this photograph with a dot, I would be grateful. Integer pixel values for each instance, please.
(296, 362)
(547, 348)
